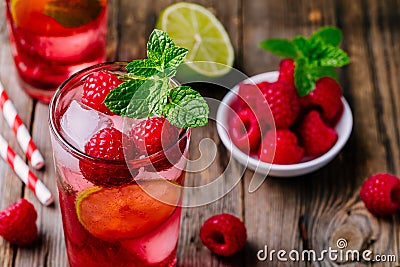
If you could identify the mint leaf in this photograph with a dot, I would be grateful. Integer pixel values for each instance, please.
(120, 97)
(315, 58)
(143, 68)
(174, 56)
(303, 46)
(333, 57)
(162, 50)
(164, 54)
(280, 47)
(329, 35)
(73, 13)
(186, 108)
(304, 79)
(145, 102)
(320, 72)
(147, 91)
(158, 43)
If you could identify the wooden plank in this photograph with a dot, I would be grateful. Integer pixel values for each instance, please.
(112, 30)
(137, 20)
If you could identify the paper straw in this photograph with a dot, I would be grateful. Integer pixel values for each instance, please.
(24, 173)
(20, 130)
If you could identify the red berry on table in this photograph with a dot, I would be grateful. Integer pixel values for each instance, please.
(286, 147)
(284, 103)
(223, 234)
(327, 97)
(286, 71)
(381, 194)
(153, 135)
(106, 144)
(245, 131)
(18, 223)
(316, 136)
(96, 88)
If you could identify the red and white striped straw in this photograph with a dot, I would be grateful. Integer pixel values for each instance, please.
(24, 173)
(20, 130)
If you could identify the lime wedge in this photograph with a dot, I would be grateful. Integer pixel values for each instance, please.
(194, 27)
(126, 212)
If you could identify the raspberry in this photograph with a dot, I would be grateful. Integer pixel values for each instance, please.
(106, 144)
(251, 96)
(18, 223)
(315, 136)
(223, 234)
(245, 131)
(286, 71)
(96, 88)
(327, 97)
(381, 194)
(287, 150)
(284, 103)
(153, 135)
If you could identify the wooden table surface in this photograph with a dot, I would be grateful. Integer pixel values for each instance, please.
(311, 211)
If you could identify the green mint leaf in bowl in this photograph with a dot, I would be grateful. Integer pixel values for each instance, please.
(304, 79)
(333, 57)
(321, 71)
(280, 47)
(329, 35)
(314, 57)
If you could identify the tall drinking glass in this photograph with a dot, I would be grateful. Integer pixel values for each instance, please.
(51, 39)
(115, 213)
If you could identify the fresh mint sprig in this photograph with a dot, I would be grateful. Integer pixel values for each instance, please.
(314, 57)
(147, 89)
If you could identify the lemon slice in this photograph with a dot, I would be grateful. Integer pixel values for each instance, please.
(194, 27)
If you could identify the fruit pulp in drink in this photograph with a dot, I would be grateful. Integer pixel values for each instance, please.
(45, 51)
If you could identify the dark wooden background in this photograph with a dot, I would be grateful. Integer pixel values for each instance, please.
(325, 204)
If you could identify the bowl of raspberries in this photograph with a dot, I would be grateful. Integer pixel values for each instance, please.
(268, 127)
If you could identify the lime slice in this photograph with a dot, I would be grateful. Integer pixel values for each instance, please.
(125, 212)
(194, 27)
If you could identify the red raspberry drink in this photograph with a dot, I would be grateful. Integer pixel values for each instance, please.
(120, 207)
(50, 40)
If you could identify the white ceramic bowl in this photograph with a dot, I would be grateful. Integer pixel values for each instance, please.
(343, 129)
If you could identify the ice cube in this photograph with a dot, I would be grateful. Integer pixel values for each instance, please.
(159, 244)
(80, 122)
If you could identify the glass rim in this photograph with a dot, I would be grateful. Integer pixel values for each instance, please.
(76, 151)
